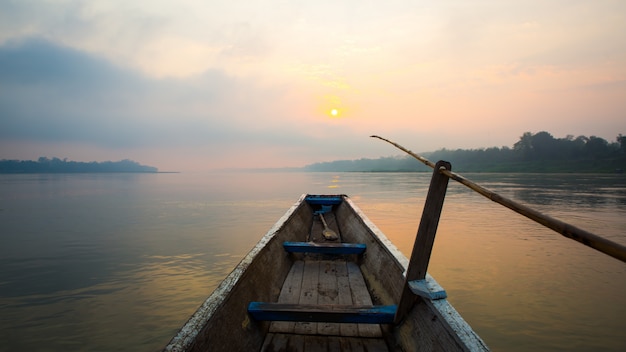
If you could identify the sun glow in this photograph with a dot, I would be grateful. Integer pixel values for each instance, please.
(334, 113)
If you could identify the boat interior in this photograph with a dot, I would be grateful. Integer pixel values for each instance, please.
(325, 273)
(324, 278)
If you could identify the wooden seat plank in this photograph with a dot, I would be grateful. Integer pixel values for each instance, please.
(328, 293)
(290, 293)
(299, 343)
(363, 344)
(322, 313)
(345, 297)
(308, 294)
(353, 345)
(315, 344)
(361, 296)
(275, 342)
(324, 248)
(318, 285)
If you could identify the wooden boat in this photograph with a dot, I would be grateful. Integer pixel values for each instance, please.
(325, 278)
(297, 290)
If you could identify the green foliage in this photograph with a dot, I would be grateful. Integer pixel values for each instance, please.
(539, 152)
(56, 165)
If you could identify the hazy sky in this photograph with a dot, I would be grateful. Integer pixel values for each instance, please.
(191, 85)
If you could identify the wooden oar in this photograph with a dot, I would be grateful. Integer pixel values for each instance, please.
(601, 244)
(328, 234)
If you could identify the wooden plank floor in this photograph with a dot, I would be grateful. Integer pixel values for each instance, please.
(313, 281)
(309, 343)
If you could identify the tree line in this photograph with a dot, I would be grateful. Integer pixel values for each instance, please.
(56, 165)
(539, 152)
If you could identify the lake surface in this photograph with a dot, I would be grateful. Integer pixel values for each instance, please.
(102, 262)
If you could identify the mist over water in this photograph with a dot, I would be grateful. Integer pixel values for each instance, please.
(99, 262)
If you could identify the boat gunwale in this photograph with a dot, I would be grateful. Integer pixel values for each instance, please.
(186, 336)
(445, 311)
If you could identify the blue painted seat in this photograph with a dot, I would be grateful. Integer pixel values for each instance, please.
(366, 314)
(324, 248)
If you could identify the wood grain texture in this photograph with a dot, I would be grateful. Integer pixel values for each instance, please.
(222, 323)
(425, 238)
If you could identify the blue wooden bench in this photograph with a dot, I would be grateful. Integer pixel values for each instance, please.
(322, 313)
(324, 248)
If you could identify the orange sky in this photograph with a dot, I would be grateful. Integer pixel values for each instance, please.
(193, 85)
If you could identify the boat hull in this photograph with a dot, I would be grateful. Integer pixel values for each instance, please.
(224, 323)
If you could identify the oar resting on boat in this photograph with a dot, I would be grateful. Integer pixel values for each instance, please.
(325, 278)
(299, 290)
(602, 244)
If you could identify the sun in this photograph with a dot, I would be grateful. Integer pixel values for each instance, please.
(334, 113)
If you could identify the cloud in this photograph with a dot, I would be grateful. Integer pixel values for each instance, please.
(55, 94)
(252, 83)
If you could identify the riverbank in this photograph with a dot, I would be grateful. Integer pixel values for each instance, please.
(408, 164)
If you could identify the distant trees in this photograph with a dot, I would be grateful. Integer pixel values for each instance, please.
(386, 164)
(524, 147)
(621, 140)
(543, 145)
(56, 165)
(539, 152)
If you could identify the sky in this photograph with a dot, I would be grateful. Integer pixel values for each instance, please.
(192, 85)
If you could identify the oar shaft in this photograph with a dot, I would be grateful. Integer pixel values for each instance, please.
(323, 221)
(599, 243)
(422, 159)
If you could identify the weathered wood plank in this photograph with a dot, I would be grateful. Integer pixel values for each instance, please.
(352, 344)
(295, 343)
(275, 342)
(361, 296)
(328, 294)
(308, 294)
(333, 288)
(290, 293)
(308, 343)
(333, 343)
(363, 344)
(223, 322)
(324, 248)
(383, 264)
(323, 200)
(423, 245)
(427, 289)
(375, 345)
(315, 344)
(345, 297)
(362, 314)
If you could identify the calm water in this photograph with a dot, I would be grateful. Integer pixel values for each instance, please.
(119, 262)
